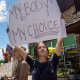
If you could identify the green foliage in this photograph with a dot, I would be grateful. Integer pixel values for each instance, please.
(1, 61)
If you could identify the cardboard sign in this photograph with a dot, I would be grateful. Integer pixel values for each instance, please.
(9, 49)
(35, 20)
(6, 69)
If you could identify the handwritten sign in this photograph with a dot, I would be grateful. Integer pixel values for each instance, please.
(6, 69)
(9, 49)
(35, 20)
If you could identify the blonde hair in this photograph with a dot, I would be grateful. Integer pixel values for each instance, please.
(15, 63)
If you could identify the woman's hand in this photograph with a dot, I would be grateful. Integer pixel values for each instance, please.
(7, 30)
(6, 78)
(62, 16)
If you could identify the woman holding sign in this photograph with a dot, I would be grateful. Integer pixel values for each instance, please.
(43, 69)
(20, 71)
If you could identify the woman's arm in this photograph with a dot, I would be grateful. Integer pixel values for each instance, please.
(7, 30)
(21, 52)
(58, 46)
(59, 41)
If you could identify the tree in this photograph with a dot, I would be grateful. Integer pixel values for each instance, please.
(2, 61)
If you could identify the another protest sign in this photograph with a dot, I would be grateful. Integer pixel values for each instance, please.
(9, 49)
(6, 69)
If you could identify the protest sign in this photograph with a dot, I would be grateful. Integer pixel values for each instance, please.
(6, 69)
(9, 49)
(35, 20)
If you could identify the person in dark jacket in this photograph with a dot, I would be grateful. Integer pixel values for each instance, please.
(43, 69)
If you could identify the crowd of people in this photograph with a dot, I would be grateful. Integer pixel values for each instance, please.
(41, 69)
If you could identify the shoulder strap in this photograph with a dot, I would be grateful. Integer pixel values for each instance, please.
(50, 62)
(51, 65)
(34, 64)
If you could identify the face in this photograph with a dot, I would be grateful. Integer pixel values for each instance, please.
(42, 49)
(15, 54)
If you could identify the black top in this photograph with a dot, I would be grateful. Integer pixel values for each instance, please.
(44, 71)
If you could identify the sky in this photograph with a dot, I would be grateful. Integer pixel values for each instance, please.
(4, 7)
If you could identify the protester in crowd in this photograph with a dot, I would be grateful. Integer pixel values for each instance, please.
(20, 71)
(43, 69)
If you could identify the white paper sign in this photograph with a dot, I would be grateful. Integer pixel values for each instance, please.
(35, 20)
(6, 69)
